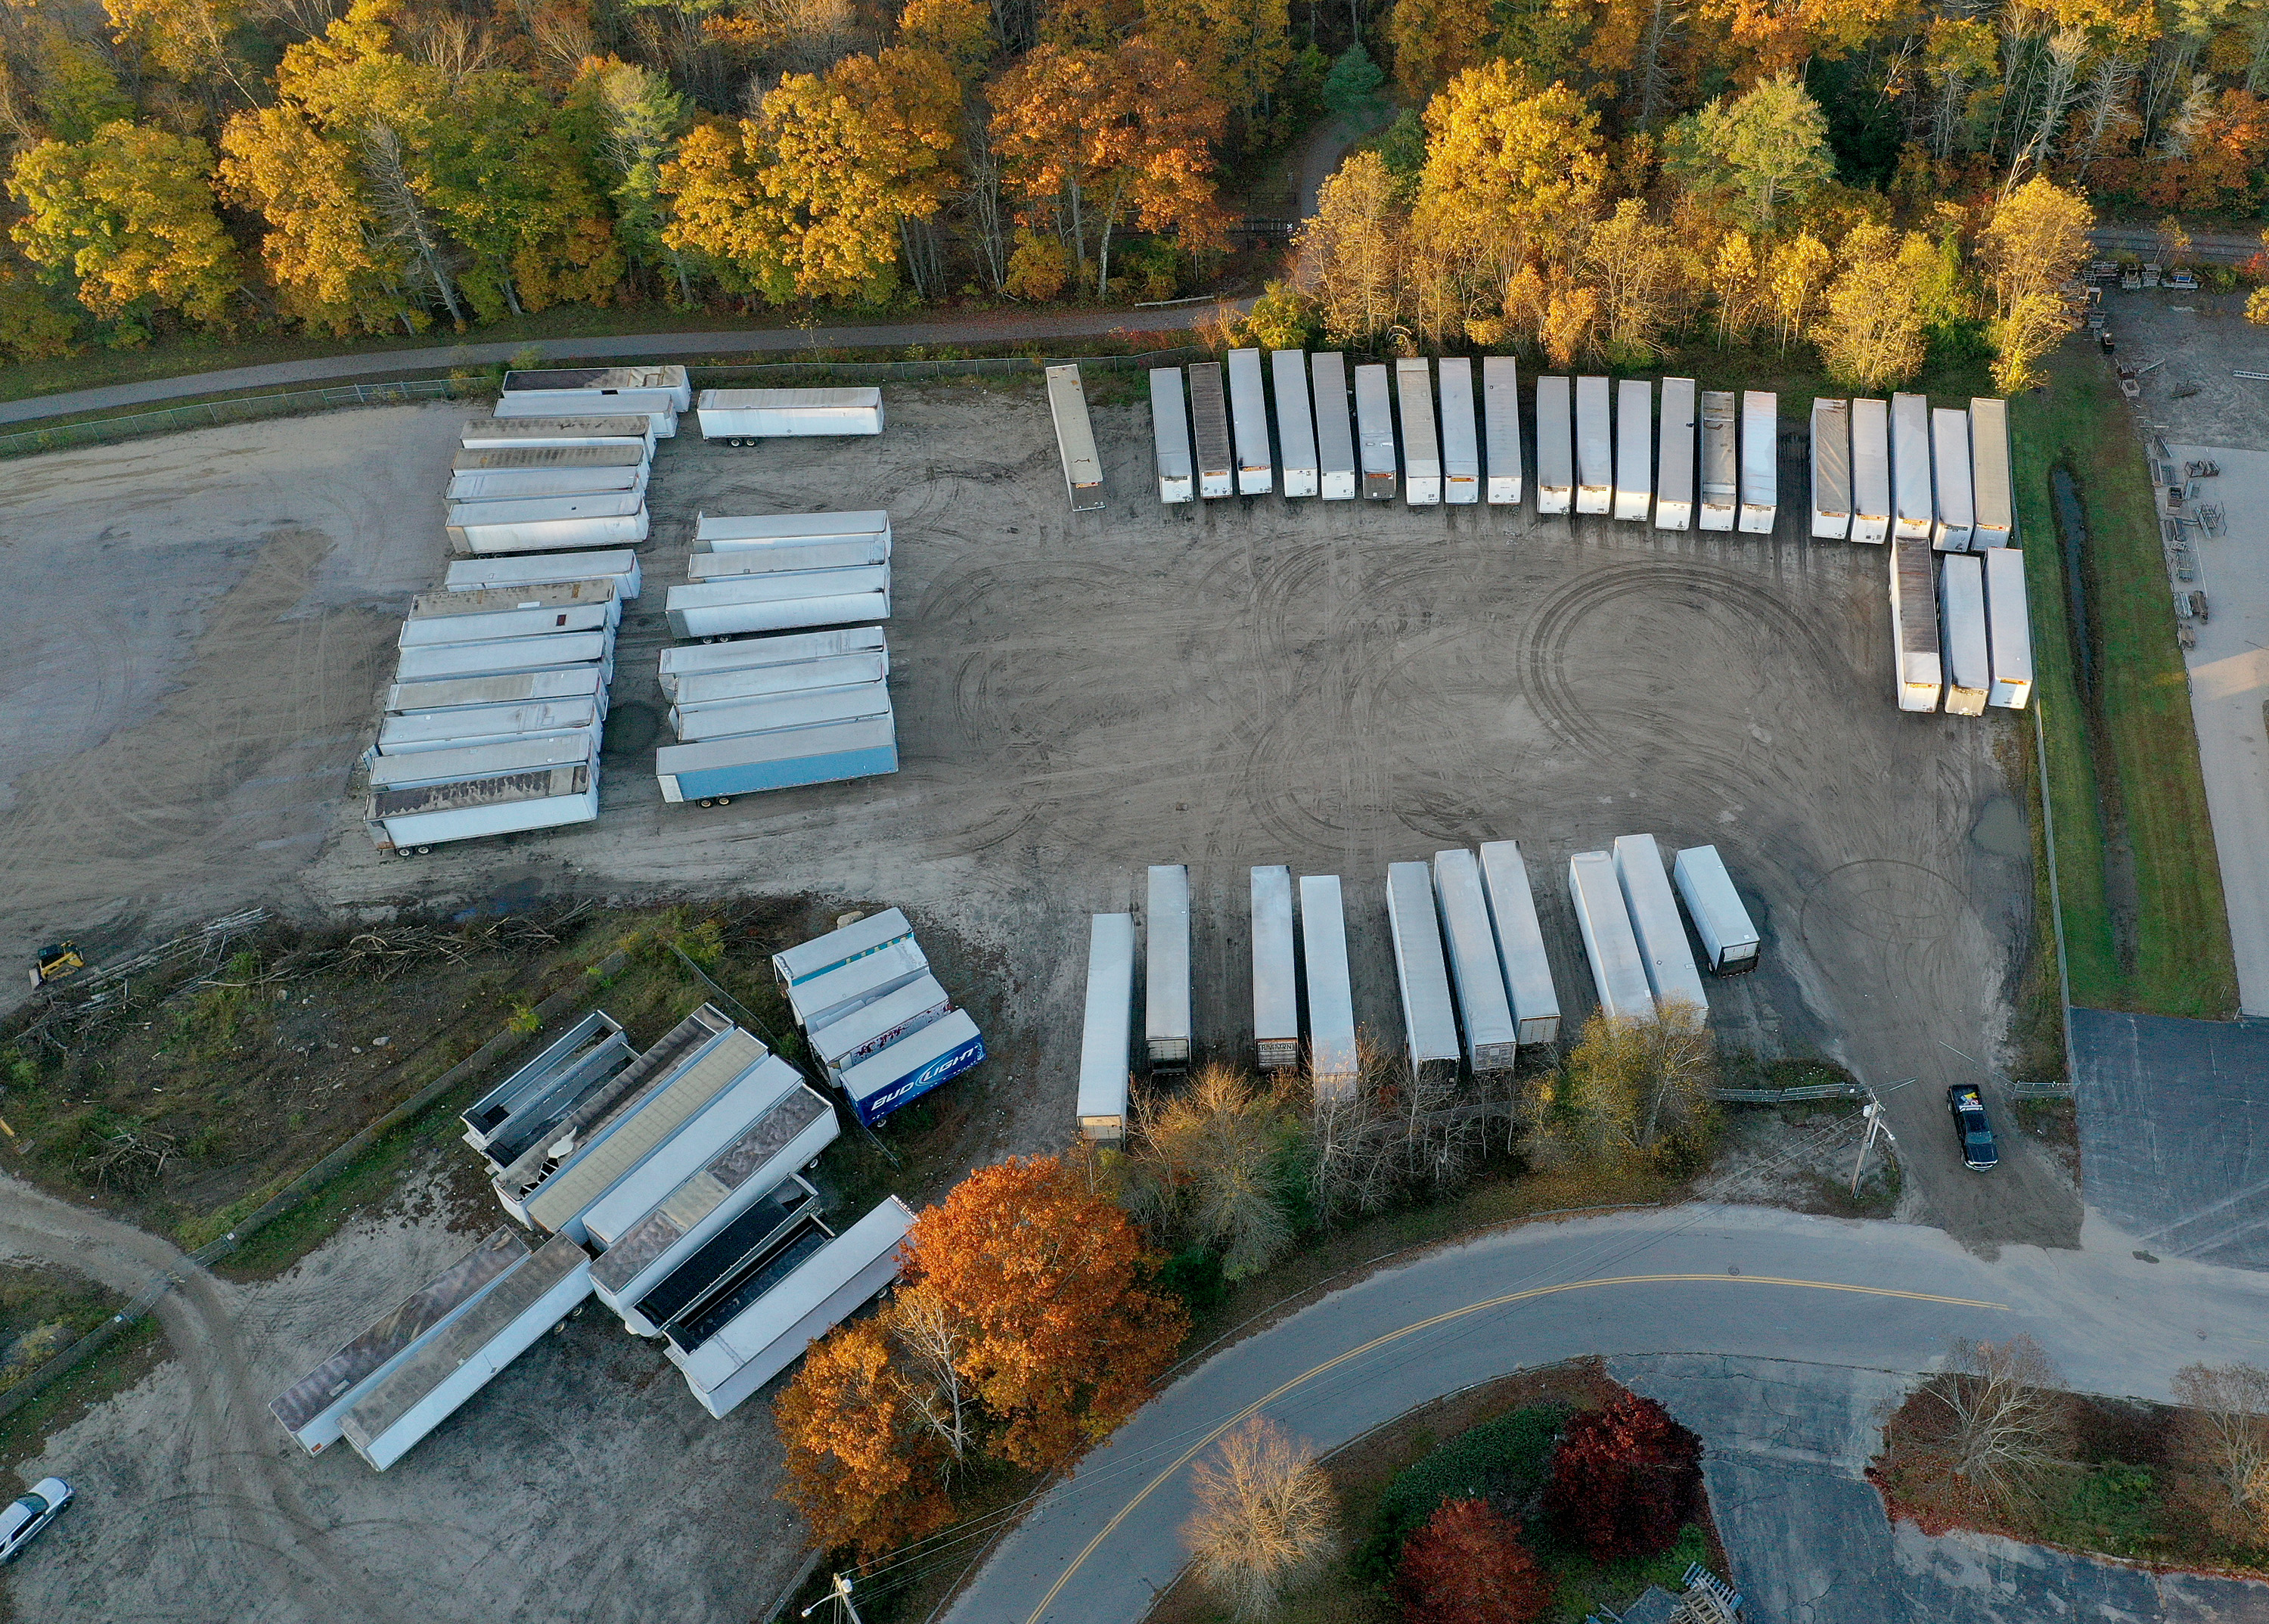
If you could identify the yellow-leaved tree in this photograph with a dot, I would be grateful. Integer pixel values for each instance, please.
(128, 215)
(1870, 330)
(2036, 242)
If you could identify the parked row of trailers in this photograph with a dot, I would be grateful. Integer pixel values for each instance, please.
(881, 1027)
(1473, 978)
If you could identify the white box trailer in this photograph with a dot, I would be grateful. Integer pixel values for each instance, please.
(1919, 669)
(577, 380)
(1276, 975)
(486, 724)
(1082, 469)
(2009, 628)
(531, 1296)
(465, 693)
(1166, 1025)
(807, 960)
(312, 1407)
(1209, 432)
(1106, 1038)
(422, 816)
(520, 485)
(658, 407)
(826, 998)
(1729, 940)
(446, 630)
(1968, 654)
(687, 662)
(1555, 447)
(1248, 414)
(1500, 427)
(1520, 942)
(909, 1068)
(1949, 452)
(547, 524)
(1295, 427)
(508, 655)
(783, 1213)
(1654, 919)
(1421, 449)
(1374, 428)
(635, 455)
(709, 689)
(1912, 512)
(1335, 459)
(780, 602)
(1993, 497)
(1429, 1026)
(684, 1152)
(781, 1320)
(781, 557)
(1634, 449)
(1595, 447)
(483, 603)
(1721, 461)
(1831, 470)
(731, 532)
(1334, 1060)
(619, 566)
(1169, 436)
(1618, 971)
(535, 1096)
(870, 1030)
(780, 712)
(715, 771)
(1485, 1013)
(1673, 479)
(1760, 461)
(462, 763)
(1461, 449)
(1871, 470)
(589, 432)
(742, 416)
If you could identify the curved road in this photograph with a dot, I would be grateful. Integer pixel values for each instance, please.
(1010, 327)
(1699, 1280)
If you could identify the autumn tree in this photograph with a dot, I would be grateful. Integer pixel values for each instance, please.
(1351, 250)
(128, 215)
(1517, 168)
(861, 1467)
(959, 31)
(2221, 1449)
(1625, 1478)
(1398, 1134)
(1764, 149)
(32, 326)
(1634, 263)
(1265, 1520)
(1242, 46)
(1200, 1167)
(1630, 1089)
(1737, 286)
(639, 119)
(2036, 242)
(323, 248)
(1467, 1565)
(1870, 331)
(1998, 1418)
(1793, 283)
(1433, 41)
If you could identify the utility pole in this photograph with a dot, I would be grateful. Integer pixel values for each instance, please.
(1873, 1113)
(839, 1600)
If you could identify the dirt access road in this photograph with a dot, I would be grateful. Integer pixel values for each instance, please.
(1332, 687)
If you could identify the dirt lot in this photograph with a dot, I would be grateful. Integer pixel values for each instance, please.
(1334, 688)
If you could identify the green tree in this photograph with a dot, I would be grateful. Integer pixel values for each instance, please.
(1352, 88)
(1764, 149)
(129, 216)
(640, 121)
(74, 87)
(1870, 331)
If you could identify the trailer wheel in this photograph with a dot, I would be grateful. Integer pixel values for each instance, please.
(724, 800)
(704, 801)
(424, 851)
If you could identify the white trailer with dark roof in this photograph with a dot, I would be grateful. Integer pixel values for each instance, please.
(1968, 653)
(1871, 470)
(1520, 942)
(783, 1216)
(1595, 447)
(1500, 427)
(619, 566)
(1429, 1026)
(419, 817)
(1166, 1028)
(1485, 1013)
(1729, 940)
(1721, 463)
(1618, 973)
(1760, 461)
(2009, 628)
(742, 416)
(1634, 449)
(1374, 425)
(1461, 450)
(1275, 975)
(1296, 428)
(1421, 449)
(1106, 1037)
(657, 407)
(1990, 494)
(1919, 669)
(1082, 469)
(525, 434)
(1555, 447)
(1662, 935)
(1912, 514)
(1674, 481)
(1334, 1060)
(573, 381)
(633, 455)
(1169, 436)
(538, 1095)
(1216, 458)
(683, 1153)
(1950, 456)
(1335, 455)
(1831, 470)
(1248, 414)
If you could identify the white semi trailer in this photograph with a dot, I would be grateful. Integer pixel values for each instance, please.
(1334, 429)
(619, 566)
(743, 417)
(1374, 430)
(1166, 1024)
(783, 602)
(1618, 973)
(1990, 494)
(730, 532)
(569, 383)
(1918, 667)
(1969, 652)
(543, 524)
(1248, 415)
(1760, 461)
(1334, 1060)
(1430, 1025)
(1555, 447)
(1721, 466)
(1634, 449)
(513, 484)
(1107, 1037)
(1209, 432)
(1082, 469)
(557, 433)
(1169, 436)
(1461, 450)
(690, 661)
(1595, 447)
(2008, 627)
(1871, 470)
(1501, 416)
(1421, 449)
(1912, 512)
(1674, 483)
(657, 407)
(1520, 942)
(1729, 940)
(1831, 470)
(1275, 978)
(1949, 455)
(786, 558)
(779, 713)
(1492, 1039)
(1296, 427)
(1661, 936)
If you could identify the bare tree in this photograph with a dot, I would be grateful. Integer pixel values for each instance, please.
(1397, 1134)
(2006, 1423)
(1199, 1164)
(401, 211)
(2222, 1442)
(980, 199)
(931, 1342)
(1265, 1518)
(2104, 112)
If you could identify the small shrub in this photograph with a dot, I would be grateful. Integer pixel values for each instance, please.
(1505, 1461)
(524, 1020)
(1626, 1479)
(2113, 1508)
(1194, 1274)
(1467, 1566)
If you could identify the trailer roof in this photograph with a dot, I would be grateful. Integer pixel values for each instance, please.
(477, 761)
(1334, 431)
(1170, 423)
(1474, 962)
(521, 596)
(842, 945)
(1332, 1051)
(1429, 1022)
(749, 1333)
(791, 744)
(1501, 415)
(1989, 451)
(856, 398)
(1276, 986)
(1107, 1036)
(1166, 971)
(735, 1109)
(786, 648)
(1520, 937)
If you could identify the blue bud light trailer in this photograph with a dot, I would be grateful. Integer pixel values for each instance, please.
(912, 1066)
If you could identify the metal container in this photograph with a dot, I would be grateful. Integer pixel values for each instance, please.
(1912, 512)
(2008, 628)
(731, 532)
(841, 1045)
(1167, 1027)
(1209, 431)
(635, 455)
(1296, 428)
(1275, 978)
(428, 815)
(1520, 942)
(1871, 470)
(1107, 1037)
(1721, 466)
(454, 693)
(1995, 514)
(1248, 412)
(1654, 919)
(1430, 1027)
(739, 415)
(541, 524)
(784, 557)
(1729, 941)
(826, 998)
(781, 602)
(1968, 653)
(1555, 447)
(1595, 447)
(507, 655)
(1831, 470)
(1950, 452)
(1634, 449)
(1082, 469)
(1334, 1060)
(1169, 436)
(701, 691)
(1374, 422)
(557, 433)
(619, 566)
(1500, 427)
(807, 961)
(1334, 431)
(1422, 451)
(1760, 461)
(513, 484)
(1461, 452)
(1492, 1040)
(486, 724)
(1673, 480)
(462, 763)
(751, 654)
(658, 407)
(764, 761)
(1618, 973)
(1919, 669)
(601, 380)
(774, 712)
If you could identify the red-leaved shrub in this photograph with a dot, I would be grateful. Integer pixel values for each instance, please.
(1625, 1478)
(1467, 1566)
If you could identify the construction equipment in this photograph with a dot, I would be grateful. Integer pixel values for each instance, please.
(55, 961)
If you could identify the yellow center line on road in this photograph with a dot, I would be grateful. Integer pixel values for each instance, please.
(1445, 1318)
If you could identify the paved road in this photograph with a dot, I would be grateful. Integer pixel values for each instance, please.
(1728, 1282)
(986, 329)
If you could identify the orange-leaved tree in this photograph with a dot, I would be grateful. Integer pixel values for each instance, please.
(861, 1467)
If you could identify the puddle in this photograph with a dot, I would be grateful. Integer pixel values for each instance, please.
(2000, 828)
